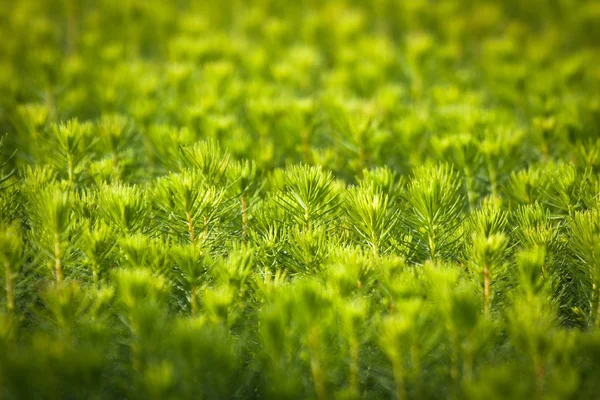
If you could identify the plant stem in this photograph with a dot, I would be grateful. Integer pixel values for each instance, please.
(136, 351)
(70, 168)
(95, 276)
(468, 366)
(57, 256)
(597, 292)
(540, 377)
(10, 297)
(244, 217)
(374, 243)
(486, 288)
(306, 218)
(115, 165)
(193, 301)
(432, 248)
(415, 356)
(205, 227)
(593, 300)
(455, 357)
(493, 179)
(354, 348)
(375, 250)
(469, 183)
(545, 150)
(190, 227)
(399, 378)
(315, 364)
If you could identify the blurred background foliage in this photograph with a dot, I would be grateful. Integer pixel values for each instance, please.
(318, 199)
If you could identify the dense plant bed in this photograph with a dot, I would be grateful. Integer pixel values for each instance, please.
(277, 199)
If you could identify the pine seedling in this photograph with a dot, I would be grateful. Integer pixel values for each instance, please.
(188, 206)
(523, 186)
(587, 155)
(488, 247)
(71, 308)
(231, 276)
(535, 229)
(270, 231)
(116, 135)
(532, 327)
(246, 186)
(11, 262)
(158, 380)
(295, 329)
(383, 180)
(441, 282)
(353, 316)
(189, 270)
(307, 250)
(98, 242)
(4, 177)
(533, 324)
(500, 152)
(275, 330)
(37, 178)
(530, 276)
(31, 119)
(372, 219)
(355, 126)
(208, 159)
(489, 219)
(301, 120)
(235, 268)
(309, 198)
(124, 207)
(72, 142)
(568, 279)
(85, 205)
(461, 150)
(52, 220)
(9, 207)
(141, 294)
(219, 303)
(407, 338)
(313, 303)
(489, 253)
(166, 142)
(135, 250)
(585, 240)
(460, 308)
(435, 211)
(205, 359)
(140, 251)
(565, 191)
(30, 123)
(351, 271)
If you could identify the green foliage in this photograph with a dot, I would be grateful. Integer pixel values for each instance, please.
(372, 219)
(98, 244)
(308, 197)
(435, 213)
(189, 204)
(124, 207)
(70, 148)
(116, 135)
(344, 199)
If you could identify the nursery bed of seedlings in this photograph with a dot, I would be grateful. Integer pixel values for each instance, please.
(321, 199)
